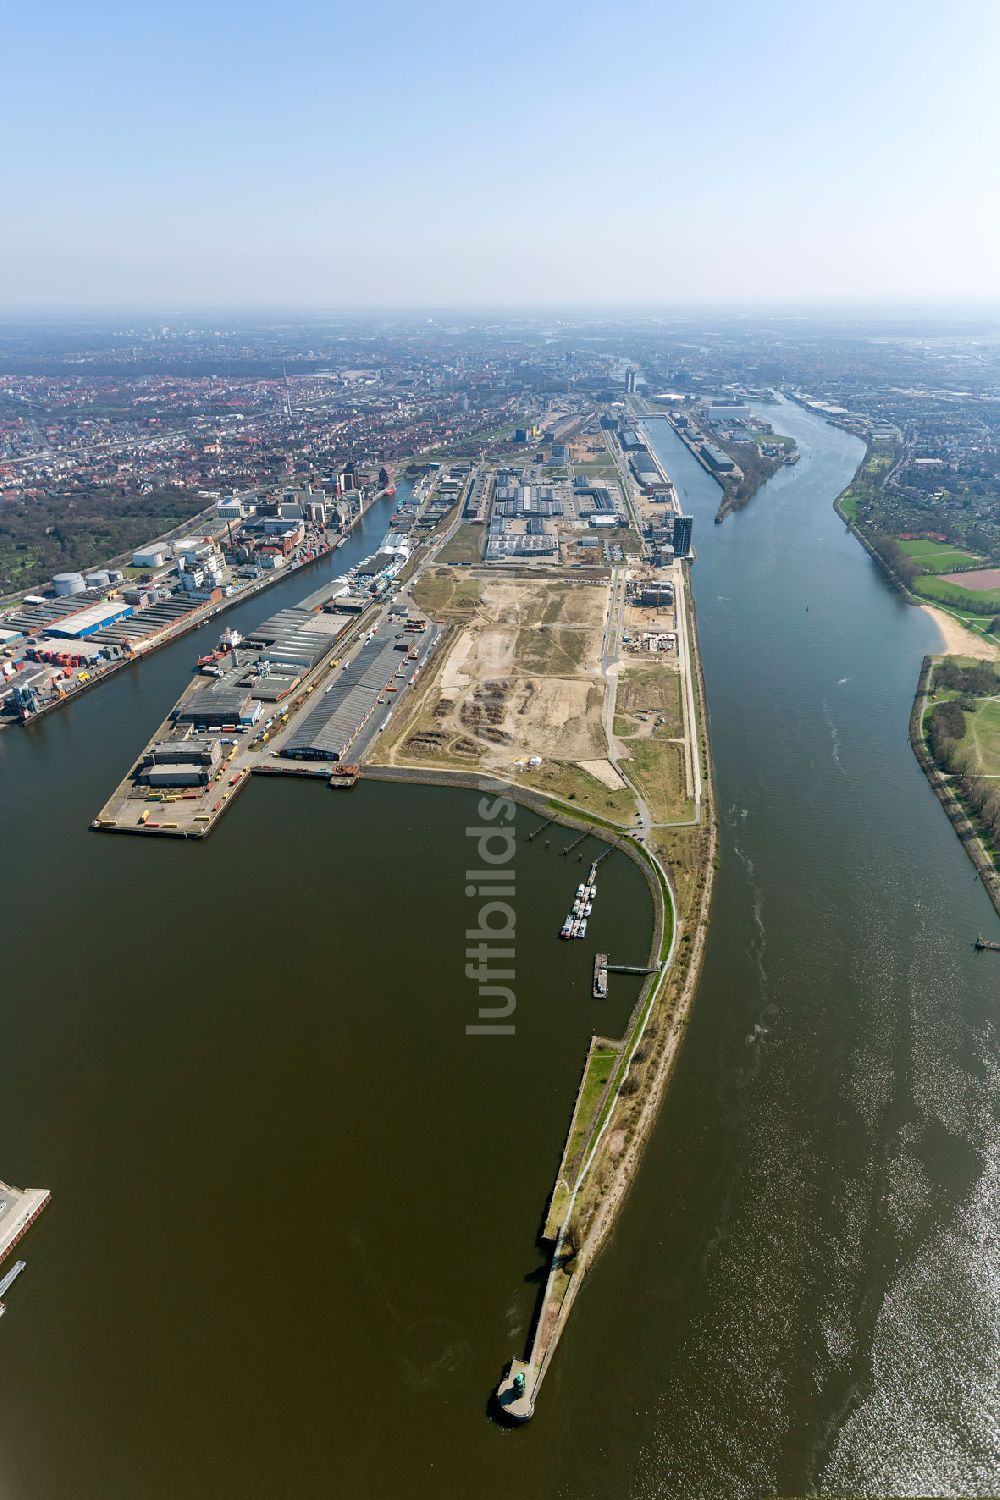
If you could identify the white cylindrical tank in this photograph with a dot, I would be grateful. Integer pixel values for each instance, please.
(69, 583)
(99, 579)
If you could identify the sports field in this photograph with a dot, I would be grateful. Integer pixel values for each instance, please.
(938, 557)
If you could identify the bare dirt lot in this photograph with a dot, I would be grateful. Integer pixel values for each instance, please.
(521, 678)
(979, 580)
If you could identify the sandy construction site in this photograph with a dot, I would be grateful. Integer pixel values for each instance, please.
(521, 677)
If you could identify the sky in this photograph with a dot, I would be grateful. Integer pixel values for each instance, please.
(379, 153)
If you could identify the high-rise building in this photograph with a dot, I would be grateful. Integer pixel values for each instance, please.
(683, 526)
(630, 381)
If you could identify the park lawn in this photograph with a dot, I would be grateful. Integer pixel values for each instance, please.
(942, 590)
(938, 557)
(983, 735)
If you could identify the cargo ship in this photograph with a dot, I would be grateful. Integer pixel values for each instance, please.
(228, 641)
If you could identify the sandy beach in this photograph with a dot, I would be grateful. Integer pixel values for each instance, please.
(956, 640)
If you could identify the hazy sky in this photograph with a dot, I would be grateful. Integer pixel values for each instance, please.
(380, 152)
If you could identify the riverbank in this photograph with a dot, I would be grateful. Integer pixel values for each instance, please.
(968, 829)
(198, 616)
(956, 636)
(582, 1213)
(754, 469)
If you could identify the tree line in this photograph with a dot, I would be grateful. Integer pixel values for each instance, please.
(945, 735)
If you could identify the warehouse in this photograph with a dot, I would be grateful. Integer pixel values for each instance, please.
(717, 459)
(86, 621)
(510, 544)
(195, 751)
(293, 638)
(335, 723)
(222, 703)
(178, 774)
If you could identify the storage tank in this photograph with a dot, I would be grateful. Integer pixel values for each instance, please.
(69, 583)
(99, 579)
(149, 557)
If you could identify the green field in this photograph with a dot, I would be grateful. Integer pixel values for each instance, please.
(657, 769)
(942, 590)
(595, 466)
(464, 547)
(983, 736)
(938, 557)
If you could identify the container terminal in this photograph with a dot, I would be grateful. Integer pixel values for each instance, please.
(19, 1208)
(304, 693)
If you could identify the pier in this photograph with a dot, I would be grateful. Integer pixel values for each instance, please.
(540, 829)
(600, 986)
(19, 1208)
(303, 694)
(575, 924)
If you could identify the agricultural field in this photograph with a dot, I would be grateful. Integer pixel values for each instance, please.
(938, 557)
(957, 592)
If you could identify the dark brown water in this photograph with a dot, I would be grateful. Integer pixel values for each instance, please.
(292, 1233)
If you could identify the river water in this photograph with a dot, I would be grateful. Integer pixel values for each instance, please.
(292, 1232)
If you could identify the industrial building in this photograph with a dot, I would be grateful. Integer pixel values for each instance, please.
(225, 703)
(501, 545)
(716, 459)
(150, 557)
(597, 500)
(516, 501)
(88, 621)
(331, 728)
